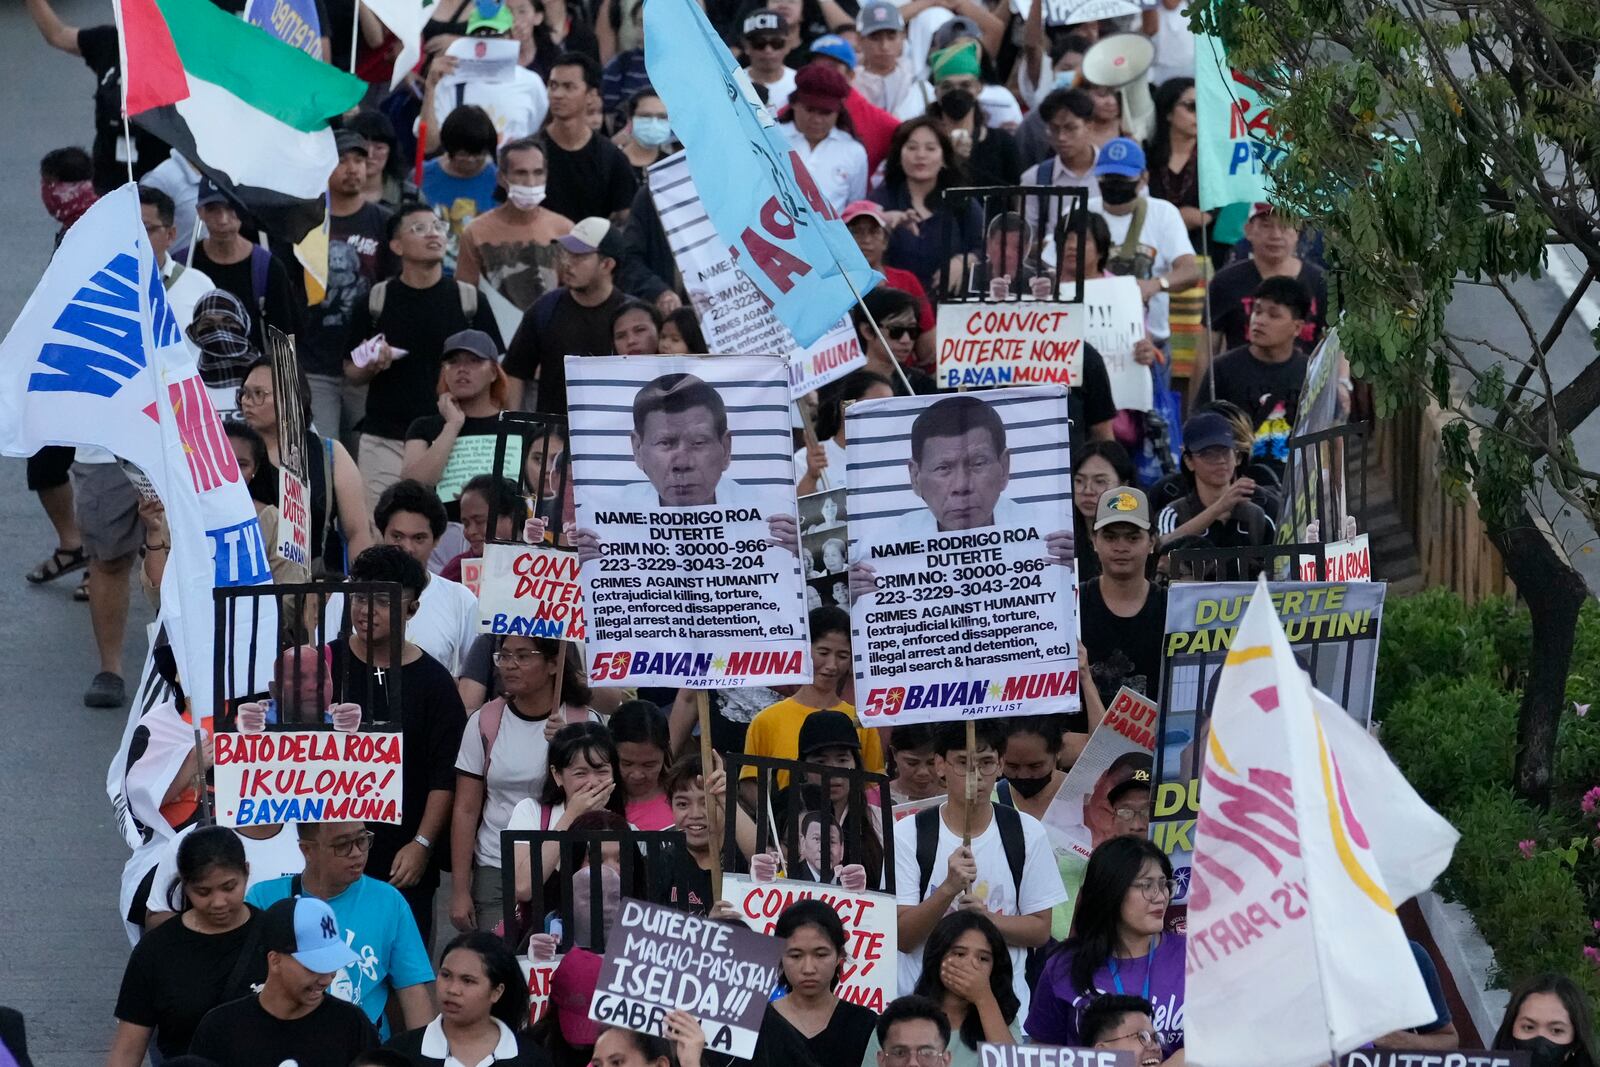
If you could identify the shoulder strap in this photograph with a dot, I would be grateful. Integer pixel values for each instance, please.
(1010, 823)
(294, 885)
(177, 272)
(1047, 170)
(489, 719)
(1002, 793)
(927, 821)
(247, 953)
(260, 260)
(544, 309)
(375, 297)
(469, 301)
(544, 817)
(1130, 243)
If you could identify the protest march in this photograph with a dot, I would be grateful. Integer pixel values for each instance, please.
(683, 533)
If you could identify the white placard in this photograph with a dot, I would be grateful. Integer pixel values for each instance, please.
(530, 591)
(1114, 323)
(1012, 342)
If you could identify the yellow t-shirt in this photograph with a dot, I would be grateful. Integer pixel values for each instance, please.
(775, 732)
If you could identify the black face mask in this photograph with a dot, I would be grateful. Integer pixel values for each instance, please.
(1027, 788)
(1117, 191)
(1542, 1051)
(956, 104)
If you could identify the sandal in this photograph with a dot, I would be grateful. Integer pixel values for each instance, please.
(81, 594)
(61, 561)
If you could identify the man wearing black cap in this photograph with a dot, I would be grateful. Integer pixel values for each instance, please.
(1219, 506)
(292, 1019)
(572, 320)
(768, 37)
(242, 267)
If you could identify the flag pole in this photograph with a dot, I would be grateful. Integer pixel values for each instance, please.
(355, 35)
(899, 371)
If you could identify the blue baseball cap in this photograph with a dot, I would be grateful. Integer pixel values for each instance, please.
(305, 928)
(1121, 157)
(835, 47)
(1207, 430)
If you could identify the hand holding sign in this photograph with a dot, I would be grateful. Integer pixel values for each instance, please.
(962, 869)
(853, 876)
(688, 1037)
(764, 865)
(251, 718)
(346, 717)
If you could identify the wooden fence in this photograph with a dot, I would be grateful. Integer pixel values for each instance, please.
(1452, 545)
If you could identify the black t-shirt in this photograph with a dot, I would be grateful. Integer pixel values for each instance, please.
(1268, 392)
(994, 160)
(431, 722)
(778, 1044)
(1090, 404)
(1179, 484)
(844, 1040)
(595, 180)
(244, 1034)
(1247, 526)
(555, 327)
(419, 321)
(472, 455)
(529, 1052)
(175, 975)
(98, 46)
(688, 883)
(238, 279)
(1232, 292)
(358, 256)
(1123, 651)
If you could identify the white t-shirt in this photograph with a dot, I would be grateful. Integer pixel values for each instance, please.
(1174, 44)
(1164, 238)
(838, 164)
(175, 177)
(1041, 884)
(778, 91)
(446, 622)
(517, 768)
(902, 92)
(516, 107)
(835, 469)
(274, 857)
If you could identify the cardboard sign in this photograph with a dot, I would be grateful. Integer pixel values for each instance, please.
(308, 776)
(1114, 323)
(1081, 817)
(1015, 342)
(867, 977)
(530, 591)
(294, 519)
(471, 456)
(294, 484)
(1052, 1056)
(1348, 561)
(1385, 1057)
(484, 59)
(670, 960)
(472, 575)
(539, 974)
(911, 807)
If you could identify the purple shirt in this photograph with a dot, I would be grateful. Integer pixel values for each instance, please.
(1058, 1004)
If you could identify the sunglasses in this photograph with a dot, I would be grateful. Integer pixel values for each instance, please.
(900, 333)
(765, 44)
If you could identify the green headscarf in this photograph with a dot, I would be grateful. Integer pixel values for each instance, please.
(957, 60)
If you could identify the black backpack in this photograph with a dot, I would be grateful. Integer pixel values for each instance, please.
(1010, 824)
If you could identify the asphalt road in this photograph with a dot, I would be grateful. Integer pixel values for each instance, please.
(61, 946)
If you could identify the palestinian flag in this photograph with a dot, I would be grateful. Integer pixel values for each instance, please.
(248, 110)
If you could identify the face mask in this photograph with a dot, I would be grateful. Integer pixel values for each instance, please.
(956, 104)
(1116, 191)
(1065, 79)
(1542, 1051)
(525, 197)
(1027, 788)
(650, 131)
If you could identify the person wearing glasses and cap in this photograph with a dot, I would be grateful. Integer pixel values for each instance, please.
(368, 916)
(1219, 505)
(292, 1019)
(768, 37)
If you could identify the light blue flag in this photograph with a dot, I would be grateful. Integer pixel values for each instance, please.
(1237, 142)
(779, 229)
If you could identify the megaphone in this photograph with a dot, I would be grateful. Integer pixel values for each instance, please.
(1122, 61)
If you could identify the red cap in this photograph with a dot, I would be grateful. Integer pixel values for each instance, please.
(571, 990)
(1259, 209)
(857, 208)
(820, 86)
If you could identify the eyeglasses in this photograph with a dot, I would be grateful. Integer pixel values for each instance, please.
(764, 44)
(986, 764)
(362, 842)
(428, 229)
(1146, 1038)
(521, 658)
(1156, 888)
(922, 1054)
(1128, 815)
(255, 396)
(900, 333)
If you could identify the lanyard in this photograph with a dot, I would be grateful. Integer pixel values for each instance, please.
(1149, 968)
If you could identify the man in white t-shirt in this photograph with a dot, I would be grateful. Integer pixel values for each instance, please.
(1166, 23)
(517, 106)
(1160, 256)
(1009, 871)
(410, 515)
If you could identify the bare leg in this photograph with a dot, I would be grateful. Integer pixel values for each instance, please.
(108, 608)
(57, 503)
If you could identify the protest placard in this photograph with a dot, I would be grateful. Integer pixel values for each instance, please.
(1052, 1056)
(1113, 322)
(670, 960)
(1390, 1057)
(1082, 814)
(907, 808)
(1347, 561)
(294, 486)
(964, 599)
(472, 575)
(539, 974)
(294, 22)
(472, 455)
(867, 975)
(1315, 474)
(1071, 12)
(733, 314)
(1017, 342)
(531, 591)
(687, 529)
(484, 59)
(825, 547)
(307, 776)
(1333, 628)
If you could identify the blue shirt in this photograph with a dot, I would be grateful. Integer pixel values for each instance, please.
(379, 928)
(457, 200)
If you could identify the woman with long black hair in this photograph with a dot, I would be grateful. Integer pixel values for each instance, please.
(483, 1010)
(925, 231)
(1550, 1019)
(835, 1031)
(209, 955)
(1119, 945)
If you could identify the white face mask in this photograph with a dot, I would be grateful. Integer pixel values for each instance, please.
(525, 197)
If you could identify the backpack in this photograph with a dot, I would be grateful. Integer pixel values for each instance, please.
(380, 290)
(1006, 818)
(260, 261)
